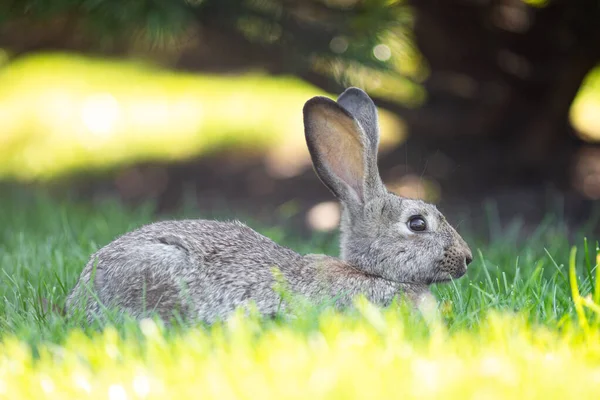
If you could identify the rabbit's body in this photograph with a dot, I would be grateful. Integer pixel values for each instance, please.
(194, 267)
(205, 269)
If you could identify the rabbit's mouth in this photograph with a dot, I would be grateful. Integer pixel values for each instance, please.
(460, 271)
(443, 277)
(446, 276)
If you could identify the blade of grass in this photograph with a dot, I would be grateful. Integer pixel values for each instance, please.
(597, 283)
(588, 263)
(577, 300)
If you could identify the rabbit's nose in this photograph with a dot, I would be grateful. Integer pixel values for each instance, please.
(466, 250)
(468, 254)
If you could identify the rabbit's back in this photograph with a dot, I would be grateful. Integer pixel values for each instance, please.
(202, 269)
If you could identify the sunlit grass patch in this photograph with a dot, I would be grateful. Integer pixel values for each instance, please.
(64, 112)
(584, 110)
(377, 355)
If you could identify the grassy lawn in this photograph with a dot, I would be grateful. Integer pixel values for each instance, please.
(509, 329)
(62, 113)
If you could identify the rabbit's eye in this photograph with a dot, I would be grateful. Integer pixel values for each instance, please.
(417, 223)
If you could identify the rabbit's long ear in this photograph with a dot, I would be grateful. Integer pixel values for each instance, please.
(361, 107)
(341, 151)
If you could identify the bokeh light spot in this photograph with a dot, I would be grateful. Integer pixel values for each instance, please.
(324, 216)
(338, 44)
(117, 392)
(47, 385)
(100, 113)
(382, 52)
(141, 386)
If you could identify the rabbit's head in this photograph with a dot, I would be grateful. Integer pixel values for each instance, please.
(396, 238)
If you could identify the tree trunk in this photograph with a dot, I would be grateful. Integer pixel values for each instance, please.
(503, 77)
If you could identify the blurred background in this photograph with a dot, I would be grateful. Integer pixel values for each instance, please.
(489, 108)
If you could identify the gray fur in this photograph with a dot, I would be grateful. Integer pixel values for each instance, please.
(203, 270)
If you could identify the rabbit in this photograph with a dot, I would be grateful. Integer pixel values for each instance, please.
(203, 270)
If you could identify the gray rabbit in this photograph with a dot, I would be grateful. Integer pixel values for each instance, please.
(203, 270)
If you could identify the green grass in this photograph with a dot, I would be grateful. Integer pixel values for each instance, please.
(65, 113)
(511, 327)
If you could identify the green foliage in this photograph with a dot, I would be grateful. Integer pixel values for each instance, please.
(108, 17)
(338, 39)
